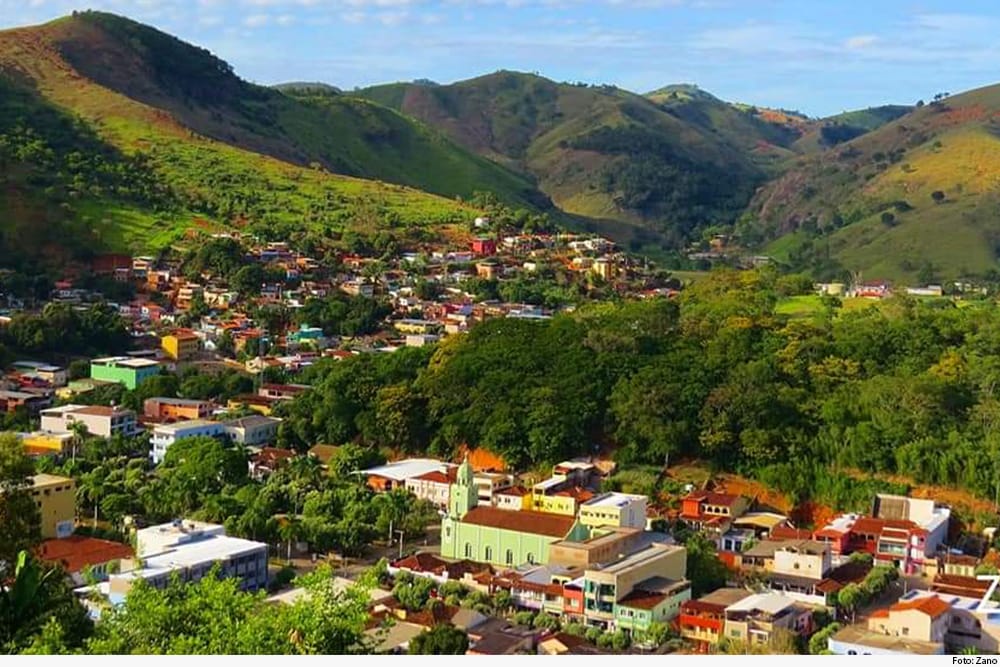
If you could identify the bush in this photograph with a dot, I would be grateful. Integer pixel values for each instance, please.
(284, 576)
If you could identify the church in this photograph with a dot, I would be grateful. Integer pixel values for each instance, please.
(500, 537)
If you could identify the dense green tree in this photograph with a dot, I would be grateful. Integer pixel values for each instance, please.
(214, 617)
(442, 639)
(20, 523)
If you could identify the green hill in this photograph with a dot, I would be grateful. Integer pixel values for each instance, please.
(116, 136)
(597, 151)
(827, 132)
(917, 199)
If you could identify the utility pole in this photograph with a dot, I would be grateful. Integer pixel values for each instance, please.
(401, 533)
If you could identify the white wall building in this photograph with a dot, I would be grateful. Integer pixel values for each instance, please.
(190, 549)
(166, 435)
(100, 420)
(254, 430)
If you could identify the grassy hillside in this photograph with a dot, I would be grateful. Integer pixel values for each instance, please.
(598, 152)
(179, 142)
(917, 199)
(827, 132)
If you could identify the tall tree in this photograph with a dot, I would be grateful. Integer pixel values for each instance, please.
(20, 522)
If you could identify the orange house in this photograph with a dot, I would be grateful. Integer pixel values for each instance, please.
(176, 409)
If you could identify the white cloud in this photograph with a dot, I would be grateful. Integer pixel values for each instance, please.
(257, 20)
(860, 42)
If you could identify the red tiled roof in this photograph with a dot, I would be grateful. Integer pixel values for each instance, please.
(517, 491)
(439, 477)
(713, 498)
(78, 551)
(783, 532)
(931, 605)
(958, 585)
(578, 493)
(536, 523)
(870, 525)
(699, 606)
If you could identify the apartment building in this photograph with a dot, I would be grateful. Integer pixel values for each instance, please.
(605, 586)
(165, 409)
(755, 618)
(702, 622)
(165, 435)
(255, 430)
(621, 510)
(55, 498)
(190, 549)
(100, 420)
(181, 345)
(126, 370)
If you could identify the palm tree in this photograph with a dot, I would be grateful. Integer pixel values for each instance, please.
(92, 488)
(290, 531)
(80, 435)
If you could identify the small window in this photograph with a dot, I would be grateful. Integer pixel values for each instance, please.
(468, 550)
(509, 557)
(531, 558)
(488, 554)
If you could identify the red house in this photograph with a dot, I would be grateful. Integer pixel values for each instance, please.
(573, 599)
(483, 246)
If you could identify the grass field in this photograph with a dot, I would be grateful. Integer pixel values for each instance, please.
(808, 305)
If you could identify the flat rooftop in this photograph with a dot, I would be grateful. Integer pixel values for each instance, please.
(127, 362)
(637, 557)
(862, 636)
(613, 499)
(770, 603)
(184, 425)
(206, 550)
(403, 470)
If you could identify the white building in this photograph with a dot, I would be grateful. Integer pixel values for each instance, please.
(100, 420)
(190, 549)
(166, 435)
(393, 475)
(622, 510)
(253, 430)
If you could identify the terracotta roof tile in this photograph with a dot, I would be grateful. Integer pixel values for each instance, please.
(931, 605)
(536, 523)
(78, 551)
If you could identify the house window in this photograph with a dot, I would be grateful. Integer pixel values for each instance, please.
(531, 558)
(906, 632)
(509, 559)
(468, 550)
(488, 554)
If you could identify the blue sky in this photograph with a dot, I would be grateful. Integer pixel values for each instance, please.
(820, 57)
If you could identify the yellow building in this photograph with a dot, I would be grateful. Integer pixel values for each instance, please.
(181, 345)
(44, 442)
(555, 504)
(55, 498)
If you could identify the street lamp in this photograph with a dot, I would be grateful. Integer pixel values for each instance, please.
(400, 533)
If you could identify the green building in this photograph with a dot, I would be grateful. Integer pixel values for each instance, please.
(655, 600)
(126, 370)
(506, 538)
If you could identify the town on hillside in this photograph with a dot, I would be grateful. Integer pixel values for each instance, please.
(187, 447)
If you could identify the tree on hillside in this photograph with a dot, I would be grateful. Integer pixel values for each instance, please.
(704, 569)
(440, 640)
(20, 523)
(214, 617)
(34, 597)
